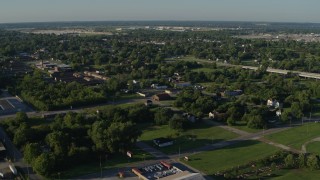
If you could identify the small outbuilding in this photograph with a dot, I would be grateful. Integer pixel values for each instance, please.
(161, 97)
(163, 142)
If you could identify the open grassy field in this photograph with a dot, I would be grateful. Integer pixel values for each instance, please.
(198, 136)
(314, 147)
(189, 58)
(297, 136)
(297, 174)
(241, 153)
(205, 70)
(119, 161)
(243, 126)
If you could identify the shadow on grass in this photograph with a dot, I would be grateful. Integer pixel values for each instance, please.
(241, 143)
(183, 145)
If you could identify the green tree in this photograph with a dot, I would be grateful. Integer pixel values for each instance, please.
(21, 135)
(31, 152)
(114, 137)
(296, 110)
(231, 120)
(302, 160)
(59, 142)
(177, 122)
(256, 122)
(313, 162)
(44, 164)
(289, 161)
(286, 115)
(21, 117)
(162, 116)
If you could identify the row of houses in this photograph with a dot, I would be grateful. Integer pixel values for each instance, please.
(86, 78)
(53, 67)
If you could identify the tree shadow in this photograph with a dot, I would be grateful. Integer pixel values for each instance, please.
(241, 143)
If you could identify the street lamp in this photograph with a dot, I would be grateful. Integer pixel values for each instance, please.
(100, 168)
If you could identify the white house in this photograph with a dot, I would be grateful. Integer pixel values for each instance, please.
(273, 103)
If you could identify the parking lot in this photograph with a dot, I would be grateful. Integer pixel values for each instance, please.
(157, 171)
(11, 105)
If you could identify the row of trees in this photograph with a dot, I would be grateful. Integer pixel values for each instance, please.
(272, 165)
(71, 139)
(51, 96)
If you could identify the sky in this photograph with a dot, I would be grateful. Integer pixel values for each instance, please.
(204, 10)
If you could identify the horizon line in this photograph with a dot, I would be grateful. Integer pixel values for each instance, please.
(236, 21)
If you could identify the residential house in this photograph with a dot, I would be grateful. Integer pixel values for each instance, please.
(278, 112)
(161, 97)
(157, 86)
(217, 116)
(273, 103)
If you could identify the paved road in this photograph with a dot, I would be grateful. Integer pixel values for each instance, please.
(151, 150)
(228, 128)
(271, 70)
(80, 109)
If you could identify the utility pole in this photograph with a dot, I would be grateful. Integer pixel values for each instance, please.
(308, 123)
(100, 168)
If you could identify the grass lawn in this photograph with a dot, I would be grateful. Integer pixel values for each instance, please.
(189, 58)
(297, 174)
(241, 153)
(128, 96)
(200, 135)
(314, 147)
(117, 162)
(103, 107)
(168, 102)
(243, 126)
(205, 70)
(297, 136)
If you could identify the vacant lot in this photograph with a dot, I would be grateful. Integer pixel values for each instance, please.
(242, 153)
(198, 136)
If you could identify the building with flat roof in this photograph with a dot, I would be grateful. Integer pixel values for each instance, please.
(165, 171)
(163, 142)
